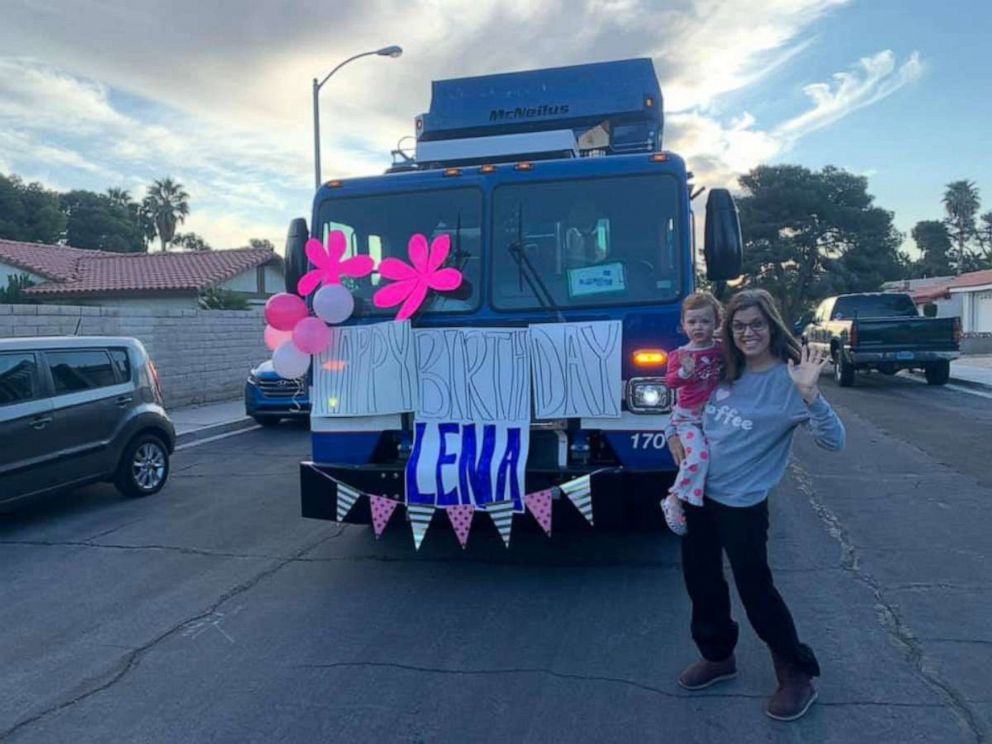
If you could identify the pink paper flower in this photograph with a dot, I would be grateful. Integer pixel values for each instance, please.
(411, 283)
(330, 267)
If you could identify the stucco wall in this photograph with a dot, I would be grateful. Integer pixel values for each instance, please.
(201, 355)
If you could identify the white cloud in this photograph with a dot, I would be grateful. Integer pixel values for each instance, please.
(871, 80)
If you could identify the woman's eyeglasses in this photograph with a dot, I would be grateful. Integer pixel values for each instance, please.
(757, 326)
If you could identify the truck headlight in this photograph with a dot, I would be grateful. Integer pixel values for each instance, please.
(648, 395)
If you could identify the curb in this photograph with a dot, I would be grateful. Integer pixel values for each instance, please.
(212, 430)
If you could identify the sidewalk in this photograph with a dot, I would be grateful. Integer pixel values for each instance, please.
(199, 422)
(976, 370)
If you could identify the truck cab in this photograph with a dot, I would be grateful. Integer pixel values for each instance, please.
(561, 206)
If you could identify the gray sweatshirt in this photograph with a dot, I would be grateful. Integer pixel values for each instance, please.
(749, 425)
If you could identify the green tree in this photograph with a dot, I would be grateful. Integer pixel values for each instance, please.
(934, 244)
(167, 203)
(99, 222)
(261, 243)
(191, 242)
(810, 234)
(29, 212)
(961, 204)
(985, 237)
(222, 299)
(13, 294)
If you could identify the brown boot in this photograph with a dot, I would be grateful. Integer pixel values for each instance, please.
(795, 693)
(705, 673)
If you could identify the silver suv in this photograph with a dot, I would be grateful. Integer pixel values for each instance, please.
(77, 410)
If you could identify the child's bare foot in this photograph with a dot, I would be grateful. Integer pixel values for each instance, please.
(674, 514)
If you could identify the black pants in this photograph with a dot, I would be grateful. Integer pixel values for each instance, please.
(743, 533)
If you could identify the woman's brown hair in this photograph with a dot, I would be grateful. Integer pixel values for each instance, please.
(782, 344)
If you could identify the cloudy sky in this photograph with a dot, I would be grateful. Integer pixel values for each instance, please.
(107, 93)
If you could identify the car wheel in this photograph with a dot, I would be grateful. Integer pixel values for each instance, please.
(267, 420)
(937, 373)
(843, 372)
(144, 468)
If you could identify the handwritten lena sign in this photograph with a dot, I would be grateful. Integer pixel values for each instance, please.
(576, 369)
(366, 371)
(470, 374)
(472, 422)
(467, 463)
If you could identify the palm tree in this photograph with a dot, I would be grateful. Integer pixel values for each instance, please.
(119, 197)
(168, 204)
(961, 202)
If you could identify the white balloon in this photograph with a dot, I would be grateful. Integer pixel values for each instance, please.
(333, 304)
(289, 362)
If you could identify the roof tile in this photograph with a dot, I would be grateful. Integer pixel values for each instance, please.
(76, 271)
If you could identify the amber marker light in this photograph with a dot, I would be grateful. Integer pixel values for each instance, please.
(659, 157)
(650, 357)
(452, 171)
(524, 166)
(334, 184)
(487, 169)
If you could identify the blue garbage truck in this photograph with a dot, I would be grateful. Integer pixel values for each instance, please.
(561, 207)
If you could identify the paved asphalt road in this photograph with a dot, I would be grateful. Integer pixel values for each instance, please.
(212, 612)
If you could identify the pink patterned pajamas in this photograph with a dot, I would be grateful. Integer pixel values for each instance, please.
(691, 478)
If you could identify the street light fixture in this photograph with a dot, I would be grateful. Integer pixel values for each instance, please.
(389, 51)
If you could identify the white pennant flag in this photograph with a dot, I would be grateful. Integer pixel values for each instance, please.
(347, 496)
(420, 520)
(579, 492)
(501, 512)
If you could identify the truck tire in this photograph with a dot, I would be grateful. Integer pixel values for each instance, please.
(938, 373)
(843, 372)
(144, 468)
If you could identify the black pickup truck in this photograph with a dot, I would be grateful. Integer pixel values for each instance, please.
(883, 331)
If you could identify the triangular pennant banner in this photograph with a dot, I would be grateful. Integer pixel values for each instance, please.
(347, 496)
(579, 492)
(460, 516)
(539, 504)
(420, 520)
(382, 510)
(579, 484)
(501, 513)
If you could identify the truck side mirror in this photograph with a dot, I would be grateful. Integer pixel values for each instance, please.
(723, 247)
(296, 257)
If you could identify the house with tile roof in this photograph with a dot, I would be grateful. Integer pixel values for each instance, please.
(72, 276)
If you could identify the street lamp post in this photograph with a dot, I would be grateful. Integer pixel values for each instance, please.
(390, 51)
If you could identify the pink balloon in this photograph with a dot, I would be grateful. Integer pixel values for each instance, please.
(311, 335)
(283, 311)
(275, 338)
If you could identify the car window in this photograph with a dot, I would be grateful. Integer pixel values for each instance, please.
(122, 364)
(75, 371)
(18, 378)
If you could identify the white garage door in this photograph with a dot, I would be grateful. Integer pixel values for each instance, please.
(983, 312)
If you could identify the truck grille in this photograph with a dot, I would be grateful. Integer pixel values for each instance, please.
(282, 388)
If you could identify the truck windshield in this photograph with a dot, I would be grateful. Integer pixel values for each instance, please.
(593, 242)
(381, 226)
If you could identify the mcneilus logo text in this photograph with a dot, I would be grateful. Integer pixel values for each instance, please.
(521, 112)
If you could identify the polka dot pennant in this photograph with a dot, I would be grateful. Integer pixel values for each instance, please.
(539, 504)
(461, 520)
(382, 510)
